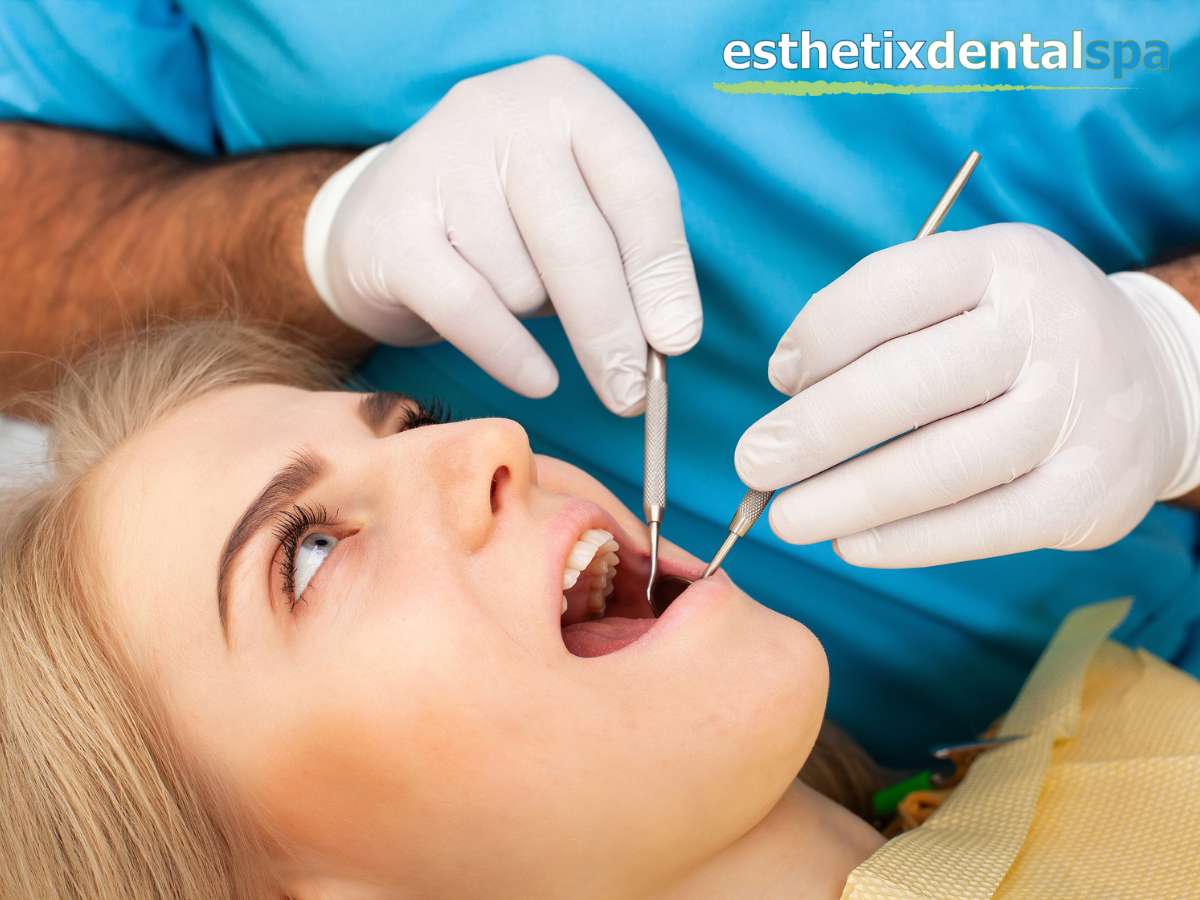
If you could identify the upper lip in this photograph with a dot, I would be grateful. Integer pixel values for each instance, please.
(577, 516)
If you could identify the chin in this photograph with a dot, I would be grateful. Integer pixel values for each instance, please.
(779, 669)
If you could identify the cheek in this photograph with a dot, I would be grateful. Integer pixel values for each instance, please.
(315, 786)
(398, 738)
(356, 774)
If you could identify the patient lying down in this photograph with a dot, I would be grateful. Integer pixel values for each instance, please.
(261, 637)
(264, 637)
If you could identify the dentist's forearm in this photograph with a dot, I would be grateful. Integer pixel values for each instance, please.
(100, 233)
(1183, 275)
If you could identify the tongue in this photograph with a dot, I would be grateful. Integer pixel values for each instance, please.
(598, 637)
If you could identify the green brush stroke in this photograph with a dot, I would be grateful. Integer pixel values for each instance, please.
(823, 88)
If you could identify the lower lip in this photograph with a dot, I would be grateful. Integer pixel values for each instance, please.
(699, 596)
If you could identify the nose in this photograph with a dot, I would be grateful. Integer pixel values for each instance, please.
(479, 470)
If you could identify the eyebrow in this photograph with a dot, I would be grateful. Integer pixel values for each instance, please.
(286, 487)
(376, 409)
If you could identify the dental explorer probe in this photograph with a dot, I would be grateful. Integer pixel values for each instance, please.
(654, 471)
(755, 502)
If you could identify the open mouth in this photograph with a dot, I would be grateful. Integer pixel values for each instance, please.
(604, 606)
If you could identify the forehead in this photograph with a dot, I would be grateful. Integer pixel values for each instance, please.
(160, 509)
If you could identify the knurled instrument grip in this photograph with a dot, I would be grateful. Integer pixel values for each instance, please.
(748, 511)
(654, 474)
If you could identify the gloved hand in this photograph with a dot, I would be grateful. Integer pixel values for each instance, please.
(530, 181)
(1052, 405)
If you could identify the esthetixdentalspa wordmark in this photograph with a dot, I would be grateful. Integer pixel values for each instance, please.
(886, 53)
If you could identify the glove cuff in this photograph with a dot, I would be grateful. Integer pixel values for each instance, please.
(319, 222)
(1175, 324)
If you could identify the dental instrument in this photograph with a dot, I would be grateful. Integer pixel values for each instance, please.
(886, 800)
(754, 502)
(654, 469)
(948, 751)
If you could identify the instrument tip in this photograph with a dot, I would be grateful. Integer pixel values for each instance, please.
(653, 574)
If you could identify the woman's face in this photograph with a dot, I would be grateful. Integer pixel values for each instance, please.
(354, 619)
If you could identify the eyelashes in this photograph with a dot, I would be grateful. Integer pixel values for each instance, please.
(417, 415)
(291, 526)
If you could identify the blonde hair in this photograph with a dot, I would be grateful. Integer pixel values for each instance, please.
(97, 800)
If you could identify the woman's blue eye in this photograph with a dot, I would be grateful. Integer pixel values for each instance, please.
(312, 551)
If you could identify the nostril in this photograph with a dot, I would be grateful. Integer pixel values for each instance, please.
(499, 477)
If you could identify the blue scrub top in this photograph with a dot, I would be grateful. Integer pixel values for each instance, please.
(780, 195)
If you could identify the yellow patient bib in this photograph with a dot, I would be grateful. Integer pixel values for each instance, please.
(1101, 800)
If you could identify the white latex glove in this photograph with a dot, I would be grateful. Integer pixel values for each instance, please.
(1052, 405)
(529, 182)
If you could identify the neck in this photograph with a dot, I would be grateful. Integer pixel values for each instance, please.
(805, 848)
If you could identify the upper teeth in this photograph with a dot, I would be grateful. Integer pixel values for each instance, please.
(595, 553)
